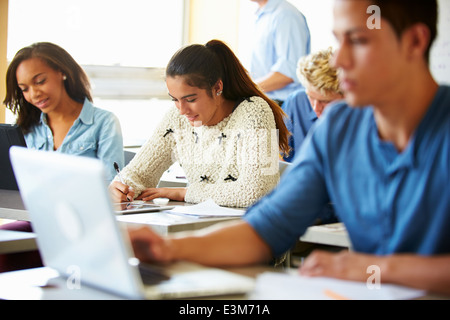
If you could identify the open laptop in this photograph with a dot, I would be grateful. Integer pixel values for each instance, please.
(72, 214)
(10, 135)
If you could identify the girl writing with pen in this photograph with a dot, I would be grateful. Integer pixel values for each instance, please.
(223, 131)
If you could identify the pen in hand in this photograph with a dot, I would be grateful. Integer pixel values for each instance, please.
(116, 167)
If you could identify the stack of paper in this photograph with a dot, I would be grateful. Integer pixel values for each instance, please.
(208, 209)
(282, 286)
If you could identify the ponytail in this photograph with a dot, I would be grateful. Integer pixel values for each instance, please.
(204, 65)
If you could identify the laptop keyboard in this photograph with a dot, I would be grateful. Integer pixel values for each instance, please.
(151, 274)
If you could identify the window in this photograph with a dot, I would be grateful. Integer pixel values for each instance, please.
(100, 32)
(123, 46)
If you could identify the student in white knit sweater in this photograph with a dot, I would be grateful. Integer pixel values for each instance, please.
(224, 132)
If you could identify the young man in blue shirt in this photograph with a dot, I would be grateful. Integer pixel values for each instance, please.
(383, 160)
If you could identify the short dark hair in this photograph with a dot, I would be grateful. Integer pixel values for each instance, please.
(402, 14)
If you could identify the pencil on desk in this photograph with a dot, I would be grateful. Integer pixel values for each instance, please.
(333, 295)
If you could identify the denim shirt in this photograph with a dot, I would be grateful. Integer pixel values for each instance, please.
(96, 133)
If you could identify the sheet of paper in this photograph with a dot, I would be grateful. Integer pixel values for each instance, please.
(291, 286)
(332, 227)
(207, 208)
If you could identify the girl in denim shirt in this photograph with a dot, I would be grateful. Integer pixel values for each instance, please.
(50, 94)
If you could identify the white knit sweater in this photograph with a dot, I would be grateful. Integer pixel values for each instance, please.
(233, 163)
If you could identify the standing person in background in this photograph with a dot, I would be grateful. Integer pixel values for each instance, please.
(305, 106)
(50, 94)
(281, 37)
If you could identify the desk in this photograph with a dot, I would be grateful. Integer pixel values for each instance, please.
(164, 222)
(45, 284)
(15, 241)
(11, 206)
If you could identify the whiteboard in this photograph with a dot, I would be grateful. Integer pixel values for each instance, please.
(440, 52)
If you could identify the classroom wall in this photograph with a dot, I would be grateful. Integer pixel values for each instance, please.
(319, 15)
(3, 60)
(214, 19)
(440, 52)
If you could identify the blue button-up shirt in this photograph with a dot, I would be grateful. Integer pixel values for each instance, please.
(301, 117)
(281, 38)
(390, 202)
(96, 133)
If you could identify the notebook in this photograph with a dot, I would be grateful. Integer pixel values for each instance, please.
(10, 135)
(77, 229)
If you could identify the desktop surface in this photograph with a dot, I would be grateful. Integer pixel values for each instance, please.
(46, 284)
(12, 206)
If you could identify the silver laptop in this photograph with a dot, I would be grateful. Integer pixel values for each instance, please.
(72, 215)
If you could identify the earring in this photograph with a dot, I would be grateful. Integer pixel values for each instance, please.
(219, 93)
(64, 77)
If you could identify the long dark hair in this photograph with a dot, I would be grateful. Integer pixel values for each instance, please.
(203, 65)
(77, 83)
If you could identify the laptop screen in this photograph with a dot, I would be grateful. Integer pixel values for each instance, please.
(10, 135)
(79, 236)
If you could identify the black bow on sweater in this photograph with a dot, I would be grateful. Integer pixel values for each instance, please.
(230, 177)
(167, 132)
